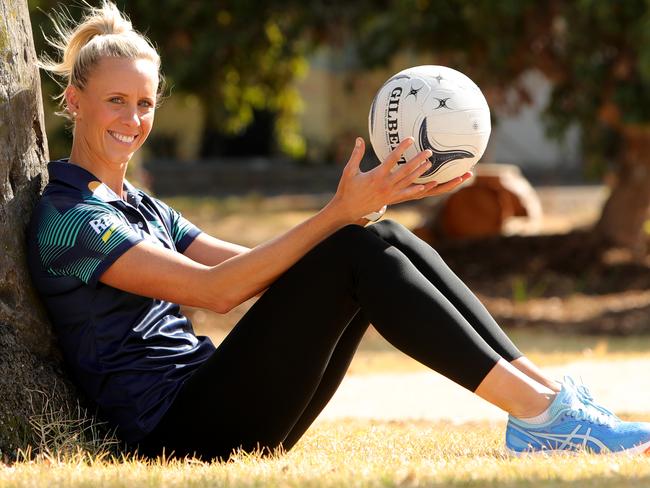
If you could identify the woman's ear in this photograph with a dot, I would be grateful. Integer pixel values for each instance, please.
(71, 95)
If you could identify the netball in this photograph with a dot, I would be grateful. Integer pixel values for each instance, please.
(442, 109)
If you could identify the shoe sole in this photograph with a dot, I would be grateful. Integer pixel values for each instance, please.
(638, 449)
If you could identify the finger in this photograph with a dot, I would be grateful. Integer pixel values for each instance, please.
(414, 168)
(352, 166)
(411, 192)
(439, 189)
(457, 181)
(396, 155)
(432, 188)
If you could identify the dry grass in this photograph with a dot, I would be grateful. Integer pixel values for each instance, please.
(349, 454)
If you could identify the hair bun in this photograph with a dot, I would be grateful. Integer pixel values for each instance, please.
(109, 20)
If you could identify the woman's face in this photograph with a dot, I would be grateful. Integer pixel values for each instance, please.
(115, 110)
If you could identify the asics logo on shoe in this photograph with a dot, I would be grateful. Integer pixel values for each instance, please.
(560, 442)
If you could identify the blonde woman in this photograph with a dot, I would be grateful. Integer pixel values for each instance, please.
(112, 264)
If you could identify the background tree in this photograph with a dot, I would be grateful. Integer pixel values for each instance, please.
(30, 370)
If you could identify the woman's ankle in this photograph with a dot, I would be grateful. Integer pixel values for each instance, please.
(531, 370)
(514, 392)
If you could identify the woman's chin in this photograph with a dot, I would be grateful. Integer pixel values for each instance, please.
(120, 159)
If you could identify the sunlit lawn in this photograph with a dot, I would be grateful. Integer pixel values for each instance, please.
(357, 452)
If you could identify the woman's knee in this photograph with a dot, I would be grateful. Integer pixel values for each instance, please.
(350, 239)
(337, 255)
(392, 231)
(401, 237)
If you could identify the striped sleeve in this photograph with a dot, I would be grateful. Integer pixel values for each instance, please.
(82, 241)
(182, 231)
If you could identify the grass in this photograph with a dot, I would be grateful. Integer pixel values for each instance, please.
(349, 454)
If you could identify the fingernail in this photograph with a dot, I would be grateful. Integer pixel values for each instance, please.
(358, 143)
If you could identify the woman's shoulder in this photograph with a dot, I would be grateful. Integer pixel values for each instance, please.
(65, 209)
(71, 186)
(63, 200)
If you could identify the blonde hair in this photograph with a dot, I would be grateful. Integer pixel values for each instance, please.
(103, 32)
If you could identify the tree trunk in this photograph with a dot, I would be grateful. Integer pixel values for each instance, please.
(622, 220)
(30, 367)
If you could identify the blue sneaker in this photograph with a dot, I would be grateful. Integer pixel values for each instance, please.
(576, 426)
(585, 396)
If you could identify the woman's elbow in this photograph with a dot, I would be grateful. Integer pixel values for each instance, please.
(224, 303)
(221, 306)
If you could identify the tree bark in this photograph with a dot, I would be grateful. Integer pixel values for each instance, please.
(29, 361)
(622, 220)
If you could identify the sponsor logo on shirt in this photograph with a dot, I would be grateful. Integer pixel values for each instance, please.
(104, 226)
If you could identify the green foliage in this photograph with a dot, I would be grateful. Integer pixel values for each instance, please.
(237, 56)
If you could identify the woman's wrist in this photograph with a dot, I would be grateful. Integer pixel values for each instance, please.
(337, 212)
(338, 209)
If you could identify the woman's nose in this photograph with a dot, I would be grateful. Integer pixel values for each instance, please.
(131, 118)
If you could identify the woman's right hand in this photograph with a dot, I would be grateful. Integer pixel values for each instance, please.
(360, 193)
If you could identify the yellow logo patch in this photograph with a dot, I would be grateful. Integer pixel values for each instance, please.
(108, 233)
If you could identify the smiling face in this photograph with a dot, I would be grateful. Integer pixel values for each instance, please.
(114, 111)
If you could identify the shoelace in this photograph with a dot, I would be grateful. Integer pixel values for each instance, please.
(590, 414)
(585, 395)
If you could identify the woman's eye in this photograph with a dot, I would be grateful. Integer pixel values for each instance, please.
(146, 104)
(115, 100)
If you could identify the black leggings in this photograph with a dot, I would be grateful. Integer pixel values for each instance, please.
(278, 368)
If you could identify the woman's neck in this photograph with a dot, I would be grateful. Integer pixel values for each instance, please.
(111, 174)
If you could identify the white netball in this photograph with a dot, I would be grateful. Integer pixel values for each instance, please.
(442, 109)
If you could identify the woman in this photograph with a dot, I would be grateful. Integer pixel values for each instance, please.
(111, 264)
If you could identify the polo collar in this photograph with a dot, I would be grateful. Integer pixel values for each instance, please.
(83, 180)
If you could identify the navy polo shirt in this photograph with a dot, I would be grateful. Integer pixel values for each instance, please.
(128, 353)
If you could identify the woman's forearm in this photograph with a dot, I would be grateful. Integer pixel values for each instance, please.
(247, 274)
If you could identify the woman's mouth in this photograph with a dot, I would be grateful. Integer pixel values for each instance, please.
(122, 137)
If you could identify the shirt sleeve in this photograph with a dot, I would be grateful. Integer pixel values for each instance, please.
(182, 231)
(82, 241)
